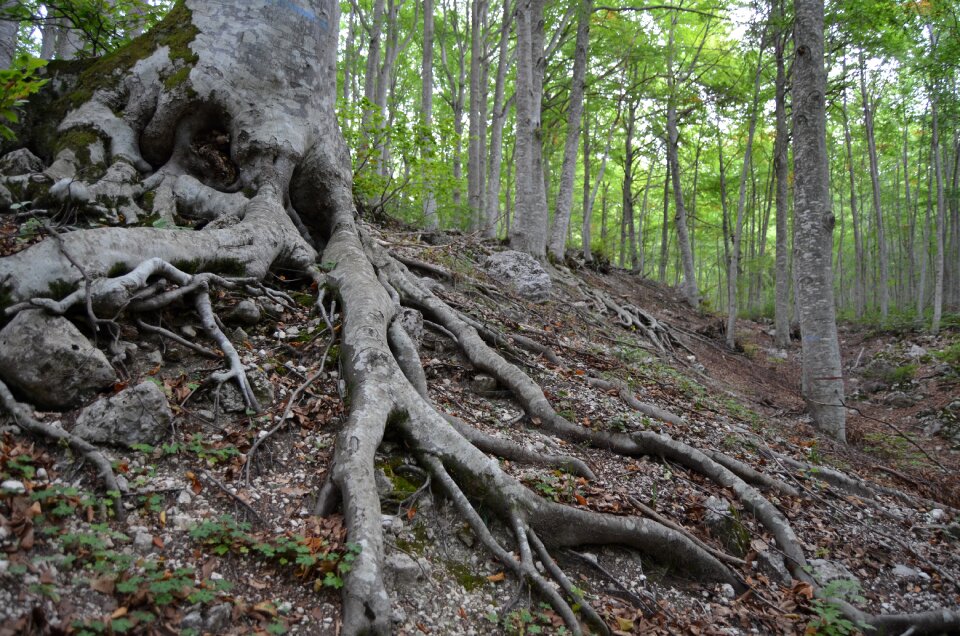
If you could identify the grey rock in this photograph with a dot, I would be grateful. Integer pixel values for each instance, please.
(218, 618)
(184, 498)
(244, 312)
(899, 400)
(70, 190)
(397, 614)
(192, 620)
(931, 426)
(872, 386)
(154, 357)
(773, 565)
(521, 271)
(906, 573)
(483, 384)
(826, 571)
(412, 322)
(12, 486)
(20, 162)
(6, 199)
(384, 485)
(717, 511)
(916, 351)
(232, 402)
(403, 569)
(188, 331)
(138, 415)
(143, 540)
(50, 361)
(240, 336)
(727, 591)
(942, 369)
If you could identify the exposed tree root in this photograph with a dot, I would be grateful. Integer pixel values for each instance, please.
(23, 417)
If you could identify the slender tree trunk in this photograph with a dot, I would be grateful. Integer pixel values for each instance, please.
(495, 158)
(781, 312)
(430, 219)
(690, 291)
(564, 203)
(8, 38)
(348, 55)
(643, 217)
(664, 232)
(627, 209)
(734, 264)
(938, 263)
(724, 212)
(474, 167)
(373, 64)
(822, 373)
(587, 203)
(529, 231)
(859, 290)
(925, 241)
(884, 278)
(909, 240)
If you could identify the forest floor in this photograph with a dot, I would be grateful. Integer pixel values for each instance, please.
(203, 550)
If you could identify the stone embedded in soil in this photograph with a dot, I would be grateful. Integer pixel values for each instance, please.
(403, 569)
(244, 312)
(825, 571)
(20, 162)
(138, 415)
(50, 361)
(521, 271)
(899, 400)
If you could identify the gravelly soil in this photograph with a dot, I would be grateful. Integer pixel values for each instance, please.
(202, 550)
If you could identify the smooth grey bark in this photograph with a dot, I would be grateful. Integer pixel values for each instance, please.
(884, 275)
(349, 54)
(910, 239)
(690, 289)
(781, 316)
(457, 92)
(564, 202)
(860, 271)
(939, 229)
(627, 190)
(375, 34)
(8, 38)
(475, 140)
(430, 219)
(500, 109)
(724, 212)
(528, 232)
(586, 233)
(813, 225)
(925, 241)
(734, 263)
(664, 232)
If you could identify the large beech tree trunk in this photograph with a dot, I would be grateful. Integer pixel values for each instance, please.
(814, 222)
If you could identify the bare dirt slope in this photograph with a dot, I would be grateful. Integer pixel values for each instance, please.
(219, 534)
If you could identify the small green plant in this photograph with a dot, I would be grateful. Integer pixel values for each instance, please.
(830, 620)
(521, 622)
(18, 83)
(309, 556)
